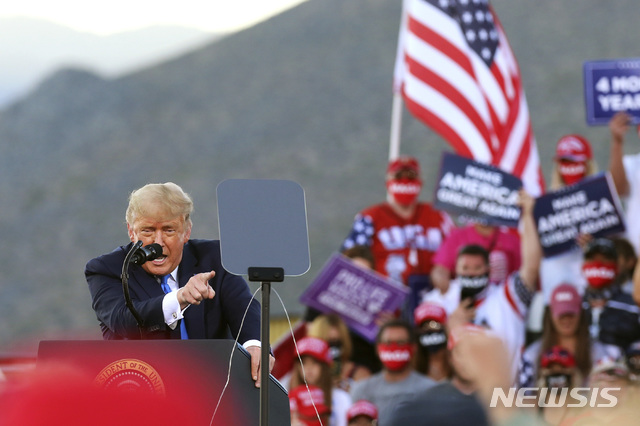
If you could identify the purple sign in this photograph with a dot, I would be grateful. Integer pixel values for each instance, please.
(357, 295)
(612, 86)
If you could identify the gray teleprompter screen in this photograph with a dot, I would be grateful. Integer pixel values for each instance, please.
(263, 224)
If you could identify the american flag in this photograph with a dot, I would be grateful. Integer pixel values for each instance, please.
(457, 74)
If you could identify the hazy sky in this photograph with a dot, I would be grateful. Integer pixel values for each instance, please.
(107, 17)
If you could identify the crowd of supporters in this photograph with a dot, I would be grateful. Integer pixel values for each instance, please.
(493, 316)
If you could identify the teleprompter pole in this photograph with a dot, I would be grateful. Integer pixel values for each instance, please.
(264, 355)
(266, 276)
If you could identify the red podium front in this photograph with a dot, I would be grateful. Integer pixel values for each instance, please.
(172, 368)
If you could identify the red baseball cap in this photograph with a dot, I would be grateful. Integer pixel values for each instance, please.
(316, 348)
(429, 311)
(403, 163)
(573, 148)
(565, 299)
(557, 355)
(302, 401)
(362, 408)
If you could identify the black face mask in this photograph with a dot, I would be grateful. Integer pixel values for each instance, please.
(335, 352)
(598, 294)
(559, 380)
(335, 349)
(473, 286)
(433, 341)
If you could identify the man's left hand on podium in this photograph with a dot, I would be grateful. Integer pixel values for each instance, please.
(255, 352)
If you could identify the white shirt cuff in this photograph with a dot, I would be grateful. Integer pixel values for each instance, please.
(171, 309)
(252, 342)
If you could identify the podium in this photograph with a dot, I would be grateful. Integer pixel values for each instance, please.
(172, 367)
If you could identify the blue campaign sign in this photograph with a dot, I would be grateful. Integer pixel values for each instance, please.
(589, 207)
(476, 190)
(611, 86)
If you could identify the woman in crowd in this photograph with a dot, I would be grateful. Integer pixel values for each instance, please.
(316, 370)
(307, 406)
(558, 375)
(433, 357)
(565, 324)
(573, 163)
(332, 329)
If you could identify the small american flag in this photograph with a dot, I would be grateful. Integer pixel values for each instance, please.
(457, 74)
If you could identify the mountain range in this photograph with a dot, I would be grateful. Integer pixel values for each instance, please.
(31, 49)
(303, 96)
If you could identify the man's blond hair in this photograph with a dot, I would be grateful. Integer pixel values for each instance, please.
(167, 198)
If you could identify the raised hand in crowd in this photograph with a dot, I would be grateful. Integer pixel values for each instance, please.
(618, 127)
(531, 249)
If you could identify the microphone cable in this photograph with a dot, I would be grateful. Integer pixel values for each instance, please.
(253, 296)
(295, 344)
(304, 376)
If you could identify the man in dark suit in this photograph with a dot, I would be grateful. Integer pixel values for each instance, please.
(185, 292)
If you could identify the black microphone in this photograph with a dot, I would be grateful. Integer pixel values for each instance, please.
(143, 254)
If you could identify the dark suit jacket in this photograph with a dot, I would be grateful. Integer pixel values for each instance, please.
(216, 318)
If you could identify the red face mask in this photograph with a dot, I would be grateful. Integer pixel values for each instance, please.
(599, 274)
(395, 356)
(404, 191)
(572, 172)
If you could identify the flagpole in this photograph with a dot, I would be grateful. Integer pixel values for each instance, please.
(398, 79)
(396, 126)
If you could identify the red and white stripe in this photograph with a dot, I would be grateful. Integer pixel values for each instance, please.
(481, 111)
